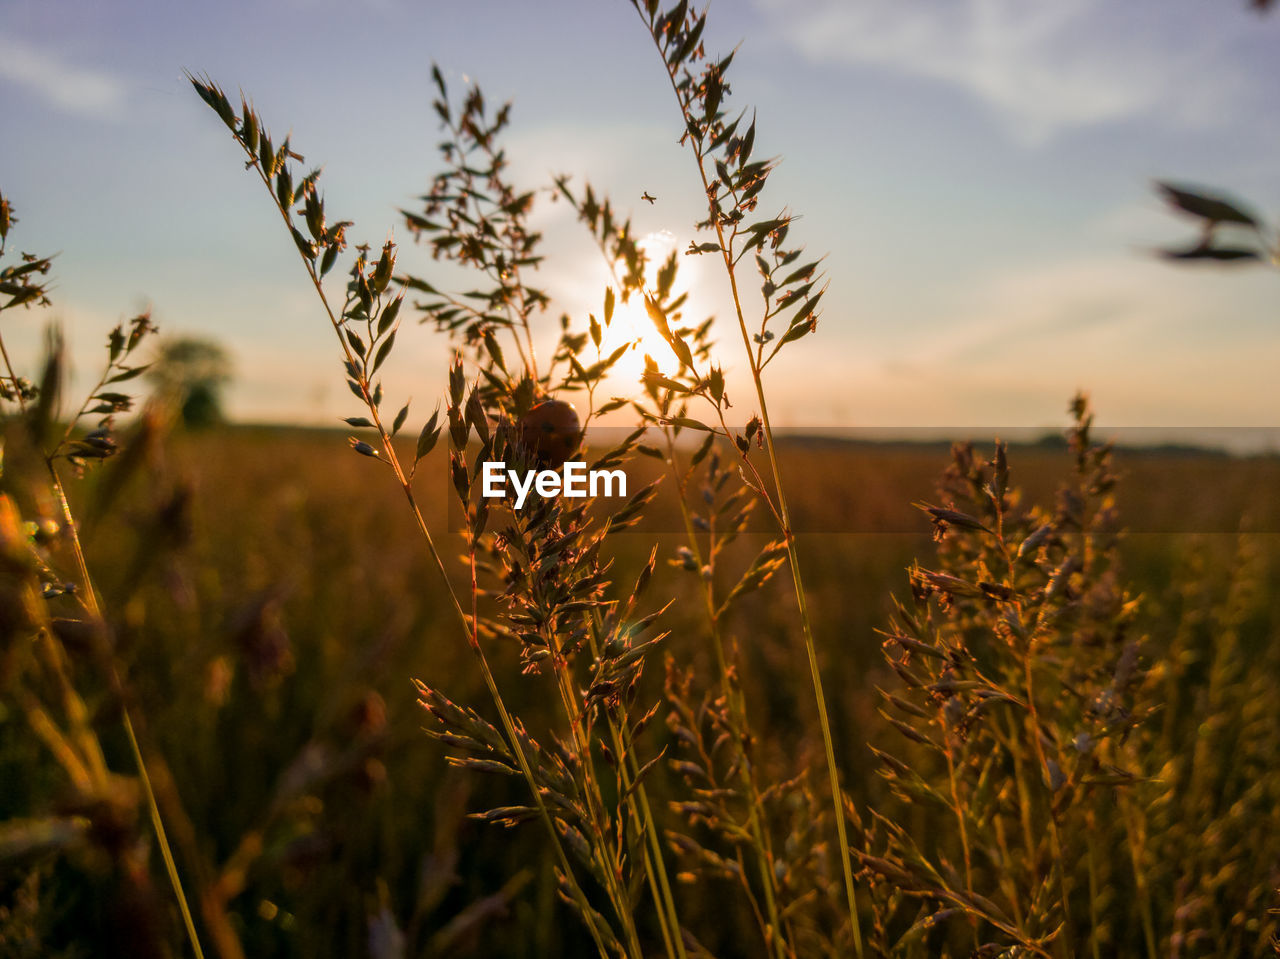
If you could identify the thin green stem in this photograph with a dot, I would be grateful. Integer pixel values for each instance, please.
(1139, 875)
(491, 684)
(658, 861)
(1055, 839)
(793, 556)
(610, 866)
(824, 719)
(153, 810)
(638, 796)
(962, 826)
(158, 824)
(1094, 891)
(737, 705)
(90, 599)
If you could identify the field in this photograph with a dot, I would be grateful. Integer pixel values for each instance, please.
(275, 691)
(272, 607)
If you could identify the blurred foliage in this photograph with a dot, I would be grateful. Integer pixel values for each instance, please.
(271, 649)
(191, 373)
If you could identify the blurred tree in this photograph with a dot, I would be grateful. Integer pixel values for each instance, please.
(190, 372)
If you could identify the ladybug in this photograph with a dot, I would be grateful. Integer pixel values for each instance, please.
(551, 432)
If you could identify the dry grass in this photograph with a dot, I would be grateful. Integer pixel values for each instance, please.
(697, 722)
(361, 614)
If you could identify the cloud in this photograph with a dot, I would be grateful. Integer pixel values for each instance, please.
(1043, 67)
(1155, 344)
(1105, 309)
(1167, 345)
(66, 86)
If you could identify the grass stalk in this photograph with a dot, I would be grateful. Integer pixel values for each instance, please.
(1094, 890)
(668, 914)
(1055, 837)
(468, 626)
(733, 695)
(797, 579)
(1133, 841)
(642, 811)
(783, 511)
(90, 599)
(961, 825)
(144, 777)
(610, 867)
(737, 706)
(760, 838)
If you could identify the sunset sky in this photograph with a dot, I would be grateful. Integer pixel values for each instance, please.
(978, 173)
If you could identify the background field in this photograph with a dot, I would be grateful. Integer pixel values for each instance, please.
(273, 604)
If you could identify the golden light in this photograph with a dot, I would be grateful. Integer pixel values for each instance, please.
(631, 323)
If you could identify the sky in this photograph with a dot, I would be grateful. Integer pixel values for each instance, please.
(978, 174)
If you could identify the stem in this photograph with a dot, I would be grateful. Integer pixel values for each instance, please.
(668, 916)
(1139, 876)
(793, 556)
(733, 695)
(13, 377)
(90, 599)
(1024, 803)
(393, 460)
(609, 859)
(595, 805)
(153, 810)
(1007, 882)
(960, 822)
(760, 839)
(737, 704)
(158, 824)
(1093, 888)
(824, 720)
(629, 769)
(1064, 887)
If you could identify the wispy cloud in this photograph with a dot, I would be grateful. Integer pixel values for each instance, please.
(1148, 334)
(1043, 67)
(1093, 309)
(62, 84)
(1156, 345)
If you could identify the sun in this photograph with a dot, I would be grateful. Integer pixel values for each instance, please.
(631, 324)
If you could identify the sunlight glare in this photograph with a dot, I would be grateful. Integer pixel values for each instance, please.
(631, 323)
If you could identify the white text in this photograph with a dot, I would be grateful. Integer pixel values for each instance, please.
(575, 481)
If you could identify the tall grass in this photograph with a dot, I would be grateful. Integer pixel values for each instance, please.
(657, 735)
